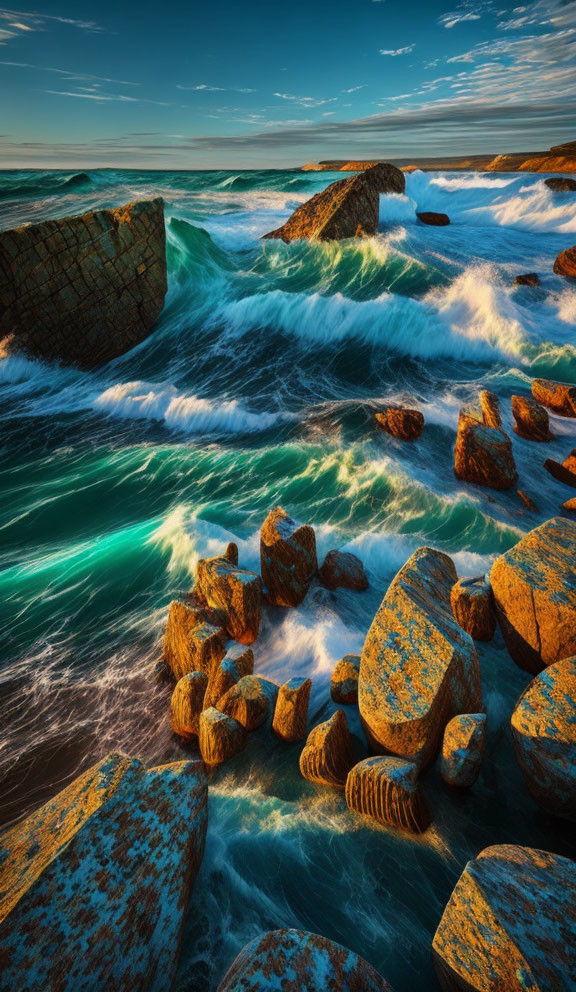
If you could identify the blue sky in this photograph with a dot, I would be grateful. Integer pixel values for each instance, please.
(248, 84)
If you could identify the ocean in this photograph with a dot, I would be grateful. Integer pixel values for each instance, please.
(258, 387)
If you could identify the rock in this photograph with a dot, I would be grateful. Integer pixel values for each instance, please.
(561, 185)
(436, 220)
(531, 420)
(191, 645)
(246, 702)
(401, 422)
(220, 736)
(288, 558)
(340, 569)
(483, 455)
(550, 163)
(95, 884)
(345, 209)
(328, 754)
(490, 406)
(528, 502)
(303, 962)
(570, 505)
(544, 734)
(85, 289)
(344, 683)
(560, 397)
(565, 472)
(510, 924)
(527, 279)
(504, 163)
(463, 749)
(237, 662)
(534, 588)
(187, 703)
(565, 264)
(386, 790)
(418, 667)
(471, 601)
(291, 712)
(235, 591)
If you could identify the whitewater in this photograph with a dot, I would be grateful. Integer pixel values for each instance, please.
(258, 387)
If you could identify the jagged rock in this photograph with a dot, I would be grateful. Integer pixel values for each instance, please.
(527, 279)
(510, 924)
(344, 683)
(560, 397)
(570, 505)
(235, 591)
(401, 422)
(288, 558)
(534, 588)
(340, 569)
(187, 703)
(434, 219)
(483, 455)
(561, 185)
(237, 662)
(85, 289)
(95, 884)
(531, 420)
(346, 209)
(291, 711)
(386, 789)
(471, 601)
(220, 736)
(463, 749)
(490, 407)
(565, 472)
(544, 734)
(296, 961)
(246, 702)
(328, 754)
(191, 645)
(418, 667)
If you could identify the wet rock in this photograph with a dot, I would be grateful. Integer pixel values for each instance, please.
(490, 407)
(534, 588)
(560, 397)
(483, 455)
(187, 703)
(340, 569)
(418, 667)
(302, 962)
(528, 501)
(328, 754)
(237, 662)
(82, 290)
(246, 702)
(565, 472)
(401, 422)
(561, 185)
(570, 505)
(288, 558)
(510, 924)
(235, 591)
(220, 736)
(471, 601)
(190, 644)
(348, 208)
(386, 790)
(291, 711)
(95, 884)
(432, 218)
(463, 749)
(544, 734)
(527, 279)
(344, 682)
(531, 420)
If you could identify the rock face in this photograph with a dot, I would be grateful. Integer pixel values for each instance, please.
(340, 569)
(328, 754)
(418, 667)
(346, 209)
(531, 420)
(565, 264)
(234, 591)
(287, 557)
(246, 702)
(527, 279)
(490, 407)
(434, 219)
(302, 962)
(191, 644)
(344, 682)
(483, 455)
(237, 662)
(471, 601)
(510, 924)
(544, 734)
(94, 885)
(560, 397)
(534, 587)
(386, 790)
(220, 736)
(561, 185)
(566, 471)
(463, 749)
(187, 704)
(83, 290)
(401, 422)
(291, 711)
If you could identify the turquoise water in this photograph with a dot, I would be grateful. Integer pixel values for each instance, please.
(258, 387)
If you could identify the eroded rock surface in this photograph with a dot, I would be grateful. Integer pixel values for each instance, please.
(483, 455)
(192, 644)
(291, 711)
(531, 419)
(220, 736)
(490, 407)
(463, 749)
(386, 790)
(288, 558)
(560, 397)
(237, 662)
(344, 682)
(328, 754)
(187, 704)
(402, 422)
(471, 601)
(341, 569)
(233, 590)
(246, 702)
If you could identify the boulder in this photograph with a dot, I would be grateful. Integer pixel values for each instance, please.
(190, 644)
(82, 290)
(570, 505)
(344, 682)
(235, 591)
(534, 588)
(401, 422)
(288, 558)
(566, 471)
(296, 961)
(246, 702)
(291, 711)
(527, 279)
(463, 749)
(544, 734)
(237, 662)
(220, 736)
(560, 397)
(510, 924)
(418, 667)
(347, 208)
(95, 884)
(483, 455)
(471, 601)
(531, 420)
(328, 754)
(340, 569)
(561, 185)
(490, 407)
(386, 790)
(187, 704)
(434, 219)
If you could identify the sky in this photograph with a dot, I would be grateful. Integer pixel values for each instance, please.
(243, 84)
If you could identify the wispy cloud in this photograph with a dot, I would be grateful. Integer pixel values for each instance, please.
(18, 22)
(305, 101)
(207, 88)
(468, 10)
(69, 73)
(397, 51)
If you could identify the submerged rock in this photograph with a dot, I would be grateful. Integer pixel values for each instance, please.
(527, 279)
(190, 644)
(291, 711)
(560, 397)
(328, 754)
(565, 264)
(187, 703)
(483, 455)
(471, 601)
(561, 184)
(386, 790)
(82, 290)
(510, 924)
(344, 682)
(95, 884)
(531, 420)
(401, 422)
(237, 662)
(463, 749)
(246, 702)
(432, 218)
(288, 558)
(220, 736)
(235, 591)
(340, 569)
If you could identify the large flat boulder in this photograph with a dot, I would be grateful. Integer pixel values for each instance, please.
(85, 289)
(418, 667)
(94, 885)
(534, 588)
